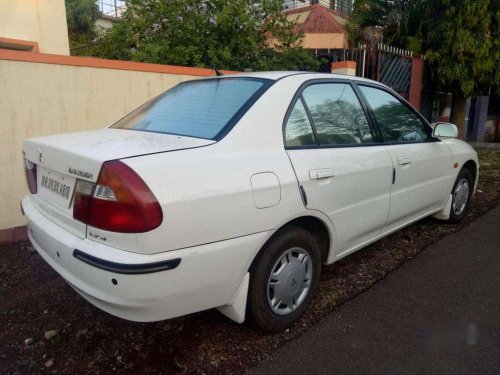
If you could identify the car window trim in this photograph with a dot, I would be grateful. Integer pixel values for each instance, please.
(298, 94)
(403, 101)
(309, 117)
(267, 83)
(369, 113)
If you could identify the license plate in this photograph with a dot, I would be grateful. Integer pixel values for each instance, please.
(55, 186)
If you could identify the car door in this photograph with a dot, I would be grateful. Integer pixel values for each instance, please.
(341, 169)
(422, 165)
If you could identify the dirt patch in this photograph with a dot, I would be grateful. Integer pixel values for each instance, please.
(35, 303)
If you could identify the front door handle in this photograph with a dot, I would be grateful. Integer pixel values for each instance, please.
(318, 174)
(403, 160)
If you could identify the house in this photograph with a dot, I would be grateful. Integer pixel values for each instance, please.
(110, 12)
(323, 28)
(341, 6)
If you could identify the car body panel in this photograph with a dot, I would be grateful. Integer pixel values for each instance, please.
(81, 155)
(208, 276)
(86, 151)
(461, 152)
(357, 196)
(422, 183)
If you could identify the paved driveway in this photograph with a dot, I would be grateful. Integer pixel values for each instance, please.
(438, 313)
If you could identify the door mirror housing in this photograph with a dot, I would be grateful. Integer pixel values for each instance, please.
(445, 130)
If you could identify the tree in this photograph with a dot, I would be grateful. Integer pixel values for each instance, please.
(234, 34)
(463, 44)
(81, 16)
(459, 38)
(395, 22)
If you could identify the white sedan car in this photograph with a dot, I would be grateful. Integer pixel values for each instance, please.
(231, 192)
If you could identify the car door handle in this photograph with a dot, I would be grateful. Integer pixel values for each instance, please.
(318, 174)
(403, 160)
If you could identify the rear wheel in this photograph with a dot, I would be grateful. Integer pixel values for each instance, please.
(283, 279)
(461, 194)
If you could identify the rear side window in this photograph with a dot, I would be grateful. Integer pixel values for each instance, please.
(298, 131)
(337, 114)
(397, 122)
(199, 109)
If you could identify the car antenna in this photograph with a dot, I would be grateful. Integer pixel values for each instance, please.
(217, 71)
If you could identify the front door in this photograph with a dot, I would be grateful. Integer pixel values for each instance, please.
(422, 165)
(341, 169)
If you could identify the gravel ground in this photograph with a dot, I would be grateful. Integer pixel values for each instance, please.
(45, 327)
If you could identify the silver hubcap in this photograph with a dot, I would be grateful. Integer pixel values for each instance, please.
(460, 196)
(290, 281)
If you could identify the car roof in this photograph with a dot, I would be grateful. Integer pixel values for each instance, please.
(278, 75)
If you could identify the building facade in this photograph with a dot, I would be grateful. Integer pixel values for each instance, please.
(343, 7)
(34, 26)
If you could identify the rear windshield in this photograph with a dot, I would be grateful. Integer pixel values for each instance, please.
(202, 109)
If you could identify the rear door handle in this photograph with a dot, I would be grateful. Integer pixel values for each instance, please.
(403, 160)
(318, 174)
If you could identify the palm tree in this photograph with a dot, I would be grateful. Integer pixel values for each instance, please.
(395, 22)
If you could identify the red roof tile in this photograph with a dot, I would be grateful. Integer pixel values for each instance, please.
(320, 20)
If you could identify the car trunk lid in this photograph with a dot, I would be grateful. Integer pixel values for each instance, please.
(62, 159)
(81, 154)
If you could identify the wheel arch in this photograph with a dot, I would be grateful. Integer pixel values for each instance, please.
(237, 308)
(314, 225)
(472, 167)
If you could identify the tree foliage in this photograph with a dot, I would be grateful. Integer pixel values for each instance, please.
(81, 16)
(234, 34)
(459, 38)
(463, 46)
(395, 22)
(463, 43)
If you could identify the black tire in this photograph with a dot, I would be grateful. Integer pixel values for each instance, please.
(258, 306)
(463, 174)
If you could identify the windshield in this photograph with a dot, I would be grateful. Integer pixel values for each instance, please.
(202, 109)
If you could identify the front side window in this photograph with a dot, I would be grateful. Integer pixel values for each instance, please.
(199, 109)
(397, 122)
(337, 114)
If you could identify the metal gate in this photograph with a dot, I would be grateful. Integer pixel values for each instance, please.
(388, 65)
(394, 69)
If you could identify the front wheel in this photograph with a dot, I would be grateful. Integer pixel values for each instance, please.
(461, 194)
(283, 279)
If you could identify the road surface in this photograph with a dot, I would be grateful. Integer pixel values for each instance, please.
(439, 313)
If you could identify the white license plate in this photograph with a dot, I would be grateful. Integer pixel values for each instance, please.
(55, 186)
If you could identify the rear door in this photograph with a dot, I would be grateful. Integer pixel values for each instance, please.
(422, 165)
(341, 169)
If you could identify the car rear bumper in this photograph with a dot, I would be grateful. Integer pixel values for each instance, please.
(195, 278)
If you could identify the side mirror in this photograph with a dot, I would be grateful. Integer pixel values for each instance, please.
(445, 130)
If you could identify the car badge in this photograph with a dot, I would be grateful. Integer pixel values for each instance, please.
(40, 156)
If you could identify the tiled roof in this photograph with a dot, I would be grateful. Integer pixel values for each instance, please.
(316, 19)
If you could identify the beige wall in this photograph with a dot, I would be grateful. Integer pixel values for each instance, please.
(324, 41)
(38, 99)
(41, 21)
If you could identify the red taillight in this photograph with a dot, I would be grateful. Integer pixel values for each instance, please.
(30, 169)
(119, 202)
